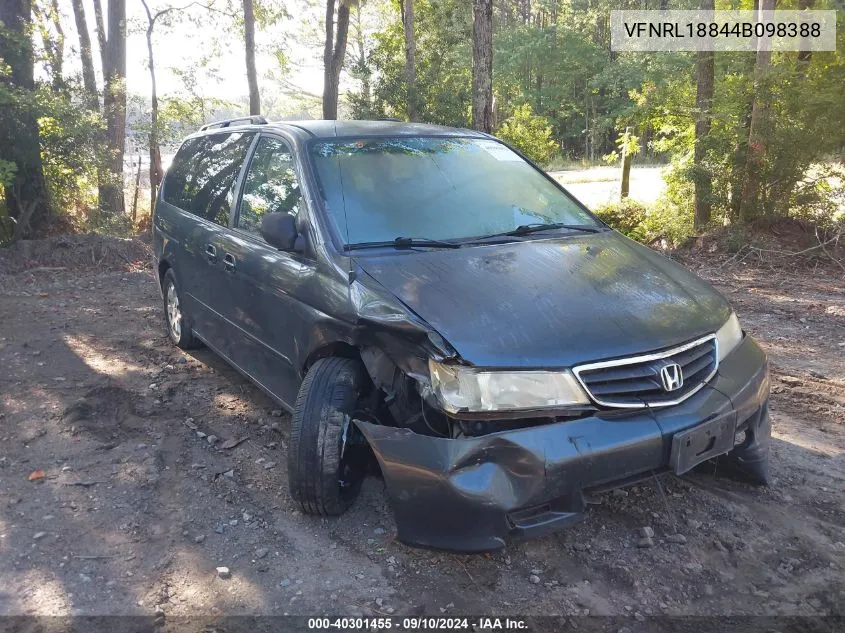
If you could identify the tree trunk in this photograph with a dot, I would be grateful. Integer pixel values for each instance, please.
(804, 56)
(704, 73)
(59, 51)
(333, 54)
(410, 57)
(627, 157)
(156, 171)
(89, 80)
(27, 200)
(482, 65)
(328, 55)
(114, 106)
(741, 150)
(101, 36)
(137, 189)
(53, 46)
(757, 134)
(249, 42)
(366, 89)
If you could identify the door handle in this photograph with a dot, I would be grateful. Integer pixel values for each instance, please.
(211, 252)
(229, 262)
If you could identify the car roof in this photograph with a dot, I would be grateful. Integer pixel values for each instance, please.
(335, 129)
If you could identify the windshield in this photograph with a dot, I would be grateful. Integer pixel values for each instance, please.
(438, 188)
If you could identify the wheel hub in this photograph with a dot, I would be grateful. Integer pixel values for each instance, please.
(174, 313)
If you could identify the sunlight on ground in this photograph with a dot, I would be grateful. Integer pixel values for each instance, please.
(47, 399)
(36, 423)
(46, 594)
(203, 592)
(788, 345)
(777, 297)
(820, 445)
(98, 360)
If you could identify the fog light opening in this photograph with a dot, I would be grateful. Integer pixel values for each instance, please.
(739, 438)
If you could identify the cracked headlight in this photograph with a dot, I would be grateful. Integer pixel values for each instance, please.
(728, 336)
(467, 389)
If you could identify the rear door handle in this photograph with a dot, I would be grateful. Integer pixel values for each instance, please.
(229, 262)
(211, 252)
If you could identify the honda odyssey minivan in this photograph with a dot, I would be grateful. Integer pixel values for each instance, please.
(432, 307)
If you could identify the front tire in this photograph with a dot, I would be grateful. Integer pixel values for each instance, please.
(327, 455)
(178, 322)
(750, 462)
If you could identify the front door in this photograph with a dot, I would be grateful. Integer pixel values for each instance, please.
(264, 305)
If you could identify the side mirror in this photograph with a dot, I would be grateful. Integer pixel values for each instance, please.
(279, 230)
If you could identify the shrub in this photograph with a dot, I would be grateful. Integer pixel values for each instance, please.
(628, 217)
(529, 133)
(668, 222)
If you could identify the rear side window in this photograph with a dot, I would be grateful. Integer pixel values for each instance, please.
(202, 178)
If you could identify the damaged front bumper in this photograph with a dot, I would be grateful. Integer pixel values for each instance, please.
(473, 493)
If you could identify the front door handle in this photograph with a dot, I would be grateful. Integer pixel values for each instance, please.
(229, 262)
(211, 252)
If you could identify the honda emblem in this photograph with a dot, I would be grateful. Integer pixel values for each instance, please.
(672, 377)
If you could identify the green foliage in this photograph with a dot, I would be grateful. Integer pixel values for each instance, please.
(819, 198)
(803, 135)
(7, 172)
(444, 59)
(628, 217)
(670, 219)
(626, 144)
(109, 223)
(666, 223)
(561, 96)
(7, 177)
(71, 150)
(529, 133)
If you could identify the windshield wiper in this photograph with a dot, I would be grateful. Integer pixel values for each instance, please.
(404, 242)
(527, 229)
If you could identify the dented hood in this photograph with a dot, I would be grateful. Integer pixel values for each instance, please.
(551, 302)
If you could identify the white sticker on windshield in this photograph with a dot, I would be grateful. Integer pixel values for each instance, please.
(499, 151)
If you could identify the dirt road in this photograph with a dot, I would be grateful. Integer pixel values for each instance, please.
(142, 498)
(600, 185)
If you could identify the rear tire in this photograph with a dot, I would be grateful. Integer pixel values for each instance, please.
(178, 321)
(327, 454)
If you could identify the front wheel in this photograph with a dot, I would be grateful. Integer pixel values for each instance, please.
(327, 454)
(749, 461)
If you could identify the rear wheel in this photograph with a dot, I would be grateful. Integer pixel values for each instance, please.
(327, 459)
(177, 320)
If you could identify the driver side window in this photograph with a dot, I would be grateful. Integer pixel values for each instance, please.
(270, 185)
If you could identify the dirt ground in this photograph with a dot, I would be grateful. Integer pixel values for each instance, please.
(142, 497)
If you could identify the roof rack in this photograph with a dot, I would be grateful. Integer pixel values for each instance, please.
(255, 120)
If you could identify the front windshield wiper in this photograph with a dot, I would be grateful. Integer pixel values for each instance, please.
(404, 242)
(527, 229)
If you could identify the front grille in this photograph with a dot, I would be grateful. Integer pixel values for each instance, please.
(636, 382)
